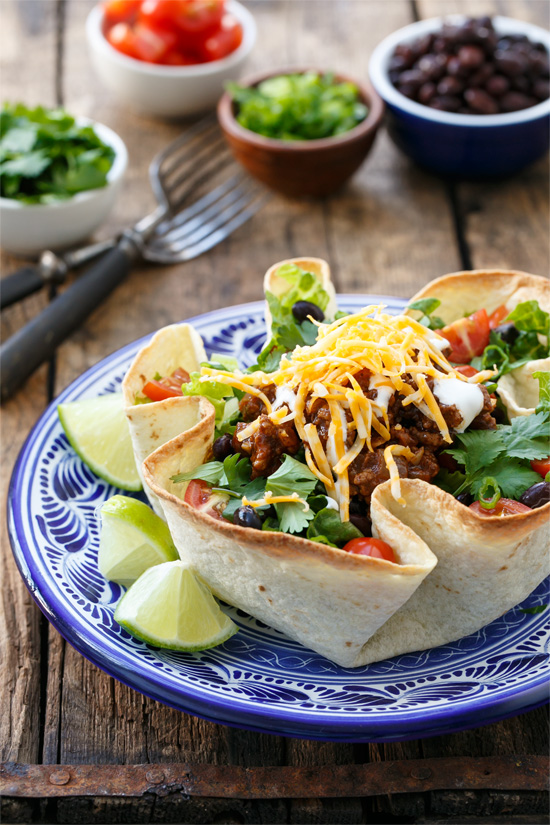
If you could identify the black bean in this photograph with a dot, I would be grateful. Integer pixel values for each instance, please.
(302, 309)
(510, 63)
(449, 85)
(246, 516)
(222, 447)
(362, 523)
(521, 83)
(465, 498)
(432, 66)
(508, 332)
(455, 67)
(471, 57)
(446, 103)
(514, 101)
(482, 75)
(412, 77)
(426, 92)
(497, 85)
(541, 89)
(481, 102)
(537, 495)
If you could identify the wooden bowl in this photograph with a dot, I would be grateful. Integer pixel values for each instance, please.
(302, 168)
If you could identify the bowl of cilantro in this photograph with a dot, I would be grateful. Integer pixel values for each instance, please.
(302, 132)
(59, 177)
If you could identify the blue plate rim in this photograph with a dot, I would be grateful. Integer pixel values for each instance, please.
(387, 726)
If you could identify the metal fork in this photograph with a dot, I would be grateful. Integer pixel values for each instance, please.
(190, 218)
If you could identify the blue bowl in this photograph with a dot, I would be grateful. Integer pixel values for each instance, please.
(457, 145)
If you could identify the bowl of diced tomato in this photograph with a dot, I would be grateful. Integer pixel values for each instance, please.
(169, 58)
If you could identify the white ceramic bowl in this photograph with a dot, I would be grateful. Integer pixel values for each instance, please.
(28, 229)
(167, 91)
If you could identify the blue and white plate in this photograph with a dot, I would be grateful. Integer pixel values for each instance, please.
(259, 679)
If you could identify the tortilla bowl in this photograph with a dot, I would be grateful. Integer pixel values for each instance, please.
(457, 571)
(326, 599)
(156, 422)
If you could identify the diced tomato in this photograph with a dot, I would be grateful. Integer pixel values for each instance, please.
(151, 45)
(159, 392)
(197, 17)
(223, 42)
(177, 57)
(497, 317)
(503, 507)
(120, 11)
(468, 337)
(541, 466)
(467, 370)
(121, 37)
(376, 548)
(168, 387)
(199, 495)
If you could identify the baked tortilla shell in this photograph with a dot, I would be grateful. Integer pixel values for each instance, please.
(485, 566)
(278, 286)
(322, 597)
(464, 292)
(156, 422)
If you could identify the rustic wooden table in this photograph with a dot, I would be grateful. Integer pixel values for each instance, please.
(391, 230)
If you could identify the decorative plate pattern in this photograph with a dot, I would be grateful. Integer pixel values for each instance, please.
(259, 679)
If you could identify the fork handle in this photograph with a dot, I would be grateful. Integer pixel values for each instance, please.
(37, 341)
(19, 284)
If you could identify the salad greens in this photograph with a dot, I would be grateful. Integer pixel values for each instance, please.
(287, 333)
(531, 322)
(45, 157)
(501, 455)
(427, 306)
(299, 106)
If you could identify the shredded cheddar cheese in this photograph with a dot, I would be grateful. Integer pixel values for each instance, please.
(390, 347)
(268, 498)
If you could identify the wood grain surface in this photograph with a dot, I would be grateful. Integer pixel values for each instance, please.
(393, 228)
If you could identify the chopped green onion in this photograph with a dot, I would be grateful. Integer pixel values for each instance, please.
(489, 493)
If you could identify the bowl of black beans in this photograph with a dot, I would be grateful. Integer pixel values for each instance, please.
(466, 97)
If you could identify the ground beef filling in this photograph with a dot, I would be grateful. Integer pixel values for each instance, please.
(409, 427)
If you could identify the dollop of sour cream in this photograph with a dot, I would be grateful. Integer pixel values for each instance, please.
(384, 390)
(331, 504)
(284, 395)
(467, 398)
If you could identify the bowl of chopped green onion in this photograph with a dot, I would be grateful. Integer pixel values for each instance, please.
(301, 132)
(59, 177)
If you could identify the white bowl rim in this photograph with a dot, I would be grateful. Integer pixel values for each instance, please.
(120, 162)
(97, 40)
(388, 92)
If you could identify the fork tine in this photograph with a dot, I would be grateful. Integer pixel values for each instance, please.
(161, 255)
(190, 235)
(189, 212)
(192, 178)
(224, 232)
(187, 136)
(211, 212)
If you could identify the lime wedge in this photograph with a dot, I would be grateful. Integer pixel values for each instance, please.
(98, 431)
(169, 606)
(133, 538)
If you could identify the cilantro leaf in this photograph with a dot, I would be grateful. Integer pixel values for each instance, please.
(253, 490)
(449, 481)
(236, 472)
(544, 391)
(513, 477)
(45, 157)
(482, 446)
(328, 528)
(528, 436)
(211, 472)
(292, 477)
(292, 517)
(539, 608)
